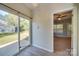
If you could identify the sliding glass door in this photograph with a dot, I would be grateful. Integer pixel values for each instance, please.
(14, 33)
(24, 32)
(8, 33)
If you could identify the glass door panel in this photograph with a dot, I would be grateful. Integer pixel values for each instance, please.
(8, 33)
(24, 32)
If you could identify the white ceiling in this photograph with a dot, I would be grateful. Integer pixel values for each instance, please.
(21, 7)
(31, 5)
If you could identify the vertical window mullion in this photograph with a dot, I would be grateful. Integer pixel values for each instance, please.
(19, 46)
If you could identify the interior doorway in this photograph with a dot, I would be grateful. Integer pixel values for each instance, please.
(63, 31)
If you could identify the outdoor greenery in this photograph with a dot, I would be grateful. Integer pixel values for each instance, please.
(24, 24)
(6, 34)
(12, 21)
(7, 37)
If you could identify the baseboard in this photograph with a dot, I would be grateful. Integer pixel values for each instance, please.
(43, 48)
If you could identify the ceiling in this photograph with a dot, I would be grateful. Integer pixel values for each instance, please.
(21, 7)
(63, 17)
(28, 5)
(32, 6)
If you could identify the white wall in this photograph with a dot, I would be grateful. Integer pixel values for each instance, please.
(42, 24)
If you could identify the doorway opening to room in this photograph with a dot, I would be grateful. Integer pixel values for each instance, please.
(63, 32)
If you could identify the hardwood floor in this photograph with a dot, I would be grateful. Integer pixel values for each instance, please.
(34, 51)
(62, 43)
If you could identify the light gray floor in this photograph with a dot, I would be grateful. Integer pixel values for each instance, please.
(34, 51)
(29, 51)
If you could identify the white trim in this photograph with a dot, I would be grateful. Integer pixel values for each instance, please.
(74, 30)
(52, 23)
